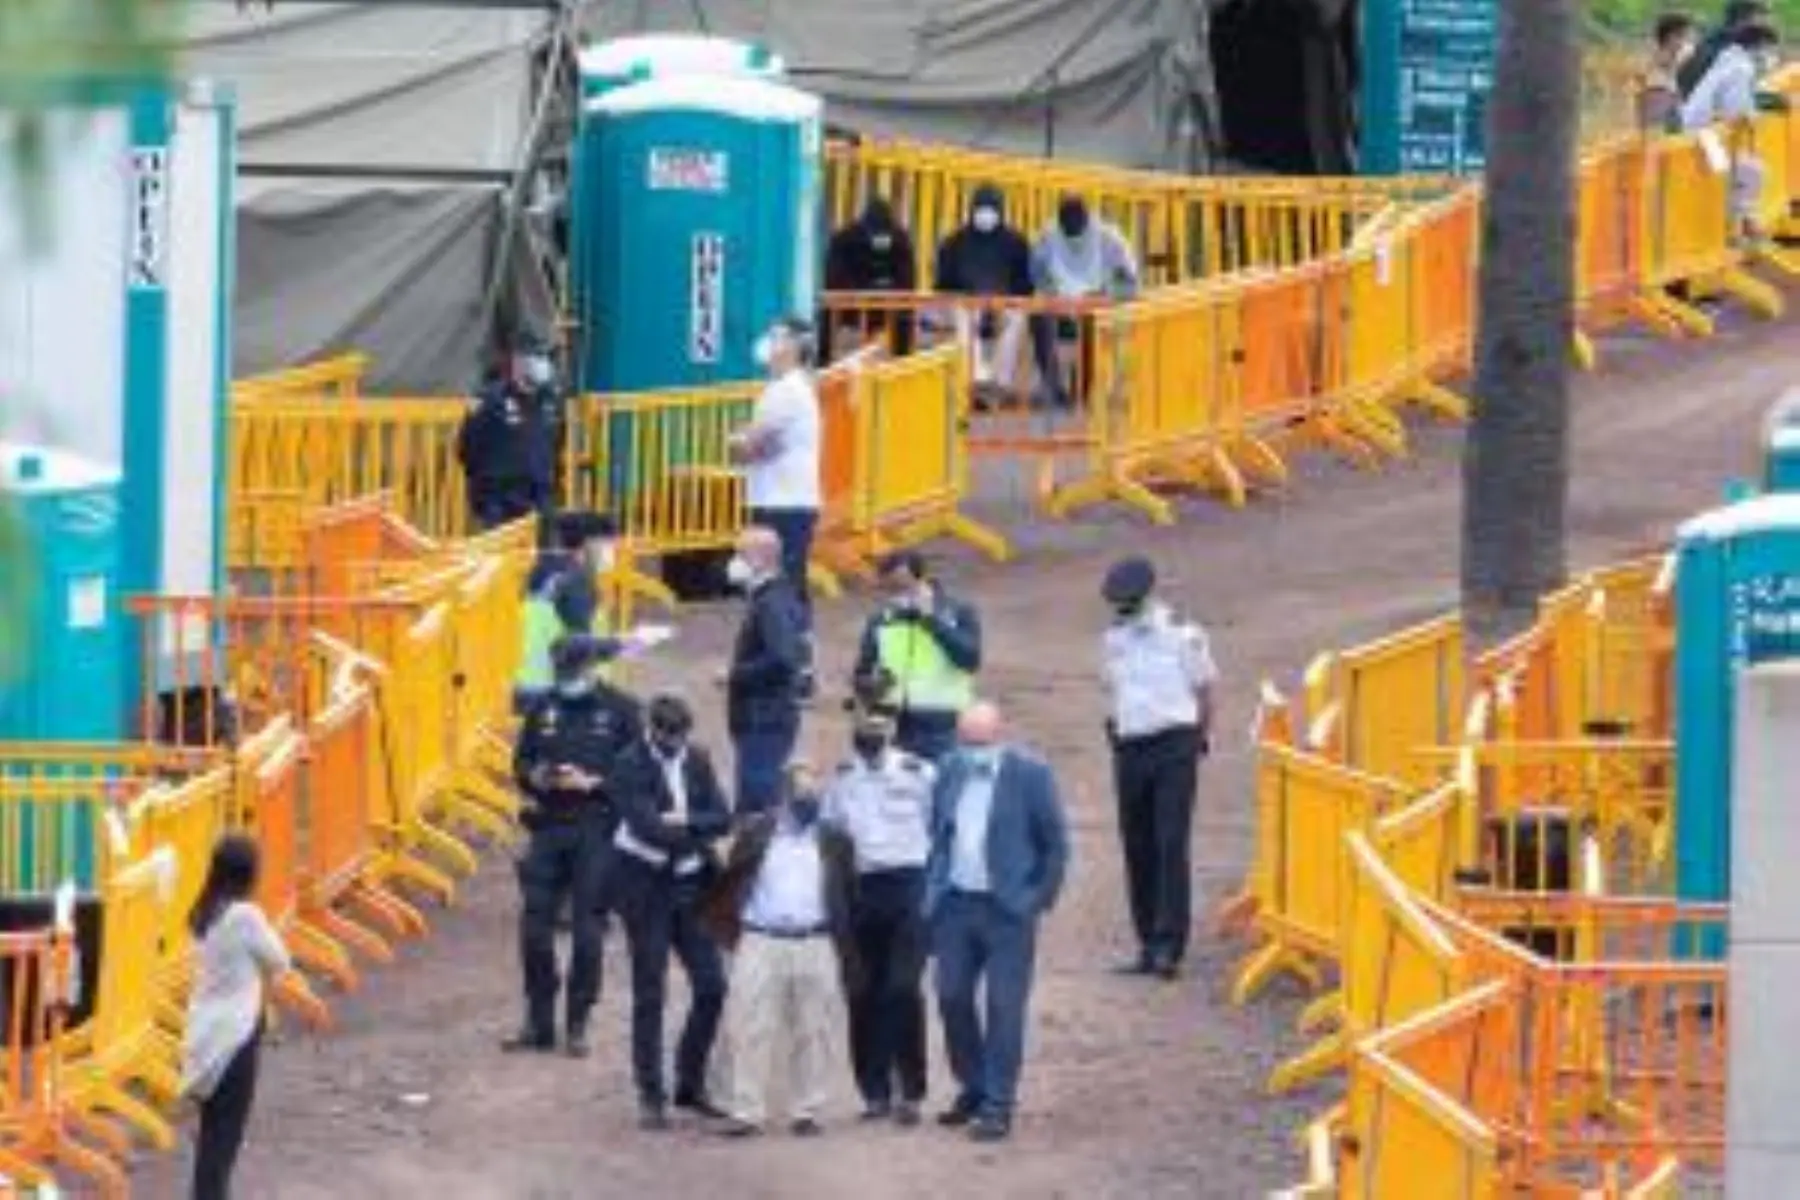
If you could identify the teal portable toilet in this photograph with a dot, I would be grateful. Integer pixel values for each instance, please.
(1737, 597)
(620, 63)
(1781, 444)
(68, 684)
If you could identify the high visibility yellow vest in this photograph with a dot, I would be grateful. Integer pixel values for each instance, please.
(924, 677)
(542, 626)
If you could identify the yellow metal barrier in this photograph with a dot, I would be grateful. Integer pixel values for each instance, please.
(338, 378)
(1690, 231)
(1377, 706)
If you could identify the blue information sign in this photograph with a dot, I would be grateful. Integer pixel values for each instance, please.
(1427, 69)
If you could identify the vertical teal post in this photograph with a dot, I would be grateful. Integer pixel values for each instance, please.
(226, 104)
(1379, 143)
(146, 362)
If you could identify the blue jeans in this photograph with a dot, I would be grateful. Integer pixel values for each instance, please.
(761, 756)
(976, 941)
(795, 527)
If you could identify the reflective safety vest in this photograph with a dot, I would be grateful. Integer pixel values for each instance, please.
(925, 680)
(541, 626)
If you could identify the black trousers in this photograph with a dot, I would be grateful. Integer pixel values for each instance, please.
(1045, 329)
(661, 917)
(887, 1013)
(565, 863)
(1156, 778)
(223, 1115)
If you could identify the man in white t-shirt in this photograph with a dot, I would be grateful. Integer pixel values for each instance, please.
(780, 448)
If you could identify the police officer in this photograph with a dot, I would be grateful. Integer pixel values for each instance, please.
(927, 645)
(505, 450)
(566, 759)
(560, 599)
(539, 386)
(881, 797)
(1160, 677)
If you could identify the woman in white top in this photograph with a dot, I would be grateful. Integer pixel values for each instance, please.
(238, 952)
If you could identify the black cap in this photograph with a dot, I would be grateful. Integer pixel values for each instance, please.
(576, 529)
(576, 653)
(1129, 581)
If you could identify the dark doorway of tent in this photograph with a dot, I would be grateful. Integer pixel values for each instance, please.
(1287, 78)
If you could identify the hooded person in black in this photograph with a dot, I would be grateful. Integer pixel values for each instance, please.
(874, 253)
(987, 257)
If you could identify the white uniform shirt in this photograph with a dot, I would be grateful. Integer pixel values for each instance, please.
(1153, 667)
(674, 771)
(239, 949)
(885, 808)
(789, 895)
(968, 854)
(788, 476)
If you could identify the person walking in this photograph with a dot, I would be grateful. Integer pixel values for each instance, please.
(566, 763)
(560, 599)
(1160, 677)
(239, 952)
(764, 683)
(999, 850)
(781, 449)
(924, 646)
(782, 907)
(881, 798)
(672, 811)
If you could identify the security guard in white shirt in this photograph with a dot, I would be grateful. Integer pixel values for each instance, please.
(1159, 677)
(881, 797)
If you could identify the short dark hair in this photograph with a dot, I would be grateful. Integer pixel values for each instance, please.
(1752, 35)
(576, 529)
(1673, 25)
(1740, 11)
(911, 561)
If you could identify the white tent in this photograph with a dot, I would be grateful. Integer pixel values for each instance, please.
(381, 139)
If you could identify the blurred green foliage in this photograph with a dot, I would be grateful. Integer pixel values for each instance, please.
(1634, 18)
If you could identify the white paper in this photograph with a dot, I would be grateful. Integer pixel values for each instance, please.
(1716, 155)
(646, 637)
(87, 603)
(1384, 263)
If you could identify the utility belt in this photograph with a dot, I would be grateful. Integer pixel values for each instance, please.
(797, 933)
(556, 813)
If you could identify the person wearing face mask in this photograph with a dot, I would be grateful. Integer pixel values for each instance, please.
(535, 370)
(506, 451)
(781, 448)
(1080, 257)
(672, 812)
(986, 257)
(1738, 13)
(1160, 677)
(874, 253)
(765, 681)
(927, 645)
(881, 798)
(999, 851)
(782, 908)
(560, 599)
(566, 762)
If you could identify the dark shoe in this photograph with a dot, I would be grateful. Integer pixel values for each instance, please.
(877, 1110)
(651, 1117)
(1166, 966)
(699, 1105)
(1143, 964)
(575, 1045)
(990, 1128)
(529, 1040)
(906, 1114)
(805, 1127)
(958, 1114)
(734, 1128)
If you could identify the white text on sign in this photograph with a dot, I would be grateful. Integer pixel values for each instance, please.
(689, 170)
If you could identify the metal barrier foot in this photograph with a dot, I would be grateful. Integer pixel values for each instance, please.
(823, 581)
(347, 933)
(1320, 1059)
(1324, 431)
(92, 1123)
(1438, 400)
(293, 994)
(973, 533)
(1582, 352)
(1099, 489)
(1673, 317)
(454, 853)
(1256, 460)
(422, 875)
(1264, 965)
(378, 906)
(1760, 298)
(1235, 914)
(113, 1099)
(462, 808)
(314, 950)
(1378, 425)
(1779, 259)
(630, 579)
(1324, 1013)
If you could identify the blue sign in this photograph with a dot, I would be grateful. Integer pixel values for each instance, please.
(1765, 619)
(1428, 66)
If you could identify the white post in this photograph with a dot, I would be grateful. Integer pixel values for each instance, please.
(1762, 1132)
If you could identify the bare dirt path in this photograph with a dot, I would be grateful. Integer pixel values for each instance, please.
(1131, 1090)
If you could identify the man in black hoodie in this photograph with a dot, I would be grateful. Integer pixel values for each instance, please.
(987, 257)
(874, 253)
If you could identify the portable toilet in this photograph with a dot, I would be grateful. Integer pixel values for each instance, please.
(707, 227)
(620, 63)
(1781, 444)
(1737, 597)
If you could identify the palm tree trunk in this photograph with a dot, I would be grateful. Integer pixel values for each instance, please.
(1516, 460)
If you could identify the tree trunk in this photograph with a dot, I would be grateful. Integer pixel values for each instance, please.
(1516, 460)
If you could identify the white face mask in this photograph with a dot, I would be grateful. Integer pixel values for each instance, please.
(738, 572)
(986, 219)
(537, 370)
(881, 241)
(605, 557)
(764, 351)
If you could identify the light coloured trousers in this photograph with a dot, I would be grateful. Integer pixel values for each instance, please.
(993, 360)
(777, 984)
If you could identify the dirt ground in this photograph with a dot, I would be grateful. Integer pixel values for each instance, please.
(1133, 1090)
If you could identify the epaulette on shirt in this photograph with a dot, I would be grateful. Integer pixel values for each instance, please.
(912, 762)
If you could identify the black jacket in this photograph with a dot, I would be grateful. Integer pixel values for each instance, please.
(997, 263)
(506, 450)
(644, 796)
(854, 264)
(762, 691)
(722, 913)
(591, 732)
(954, 625)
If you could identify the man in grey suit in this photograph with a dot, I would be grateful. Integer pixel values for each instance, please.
(999, 847)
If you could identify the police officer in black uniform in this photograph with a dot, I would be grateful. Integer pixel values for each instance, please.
(567, 756)
(506, 449)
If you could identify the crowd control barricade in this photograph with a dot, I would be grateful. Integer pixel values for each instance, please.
(1305, 806)
(331, 451)
(263, 531)
(1692, 239)
(1375, 707)
(349, 544)
(56, 801)
(336, 378)
(38, 1123)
